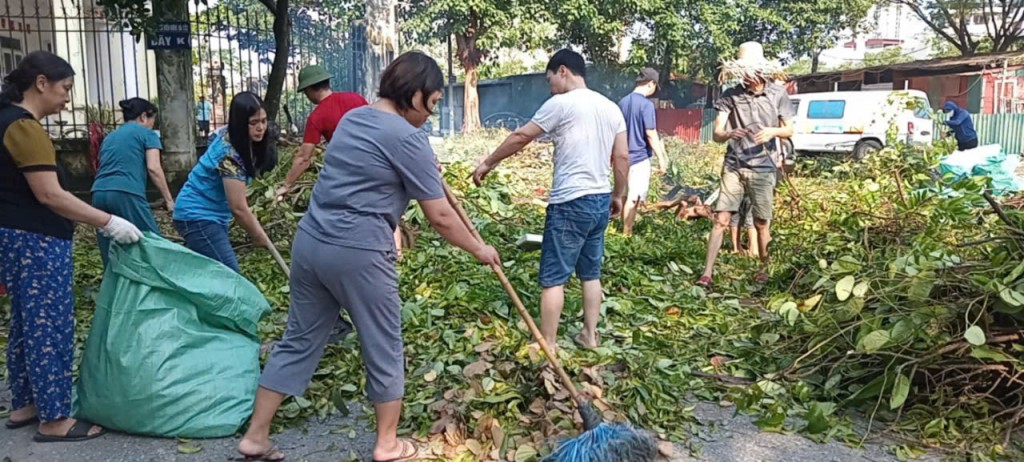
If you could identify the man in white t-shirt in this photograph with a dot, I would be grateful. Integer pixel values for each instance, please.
(589, 134)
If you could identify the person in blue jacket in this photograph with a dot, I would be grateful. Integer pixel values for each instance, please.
(962, 126)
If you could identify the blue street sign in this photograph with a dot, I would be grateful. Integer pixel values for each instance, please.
(171, 35)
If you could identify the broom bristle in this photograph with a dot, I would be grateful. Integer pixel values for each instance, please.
(602, 442)
(607, 443)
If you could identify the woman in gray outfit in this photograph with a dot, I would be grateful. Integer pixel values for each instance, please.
(344, 256)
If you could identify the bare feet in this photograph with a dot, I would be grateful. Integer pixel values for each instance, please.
(587, 341)
(535, 348)
(259, 451)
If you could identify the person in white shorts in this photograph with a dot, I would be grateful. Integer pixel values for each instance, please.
(642, 135)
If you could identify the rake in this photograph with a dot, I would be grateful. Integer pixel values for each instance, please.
(600, 441)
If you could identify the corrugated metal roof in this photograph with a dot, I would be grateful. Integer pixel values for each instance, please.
(954, 64)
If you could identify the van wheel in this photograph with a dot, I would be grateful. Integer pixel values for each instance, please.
(865, 148)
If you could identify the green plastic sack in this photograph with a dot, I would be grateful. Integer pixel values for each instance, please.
(1002, 172)
(961, 163)
(173, 350)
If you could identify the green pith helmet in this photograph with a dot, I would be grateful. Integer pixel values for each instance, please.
(312, 75)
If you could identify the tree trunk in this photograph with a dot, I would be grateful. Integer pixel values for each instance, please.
(471, 101)
(174, 88)
(814, 62)
(279, 69)
(667, 65)
(470, 58)
(381, 44)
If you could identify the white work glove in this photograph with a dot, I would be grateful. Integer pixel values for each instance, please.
(121, 231)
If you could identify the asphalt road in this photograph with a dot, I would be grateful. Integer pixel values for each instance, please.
(719, 437)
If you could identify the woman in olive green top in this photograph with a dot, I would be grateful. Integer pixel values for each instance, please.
(37, 219)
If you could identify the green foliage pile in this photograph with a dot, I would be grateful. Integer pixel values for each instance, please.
(895, 296)
(894, 306)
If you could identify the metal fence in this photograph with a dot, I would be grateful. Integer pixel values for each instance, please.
(707, 125)
(1007, 130)
(234, 47)
(107, 62)
(232, 50)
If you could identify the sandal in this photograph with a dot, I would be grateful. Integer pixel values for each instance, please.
(411, 454)
(761, 277)
(704, 281)
(78, 432)
(271, 455)
(12, 424)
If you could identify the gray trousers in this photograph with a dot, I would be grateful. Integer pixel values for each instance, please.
(325, 278)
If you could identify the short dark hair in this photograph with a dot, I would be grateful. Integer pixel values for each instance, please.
(325, 85)
(133, 108)
(34, 64)
(411, 72)
(257, 157)
(572, 61)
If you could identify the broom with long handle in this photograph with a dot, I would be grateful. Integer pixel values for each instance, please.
(280, 261)
(600, 441)
(277, 255)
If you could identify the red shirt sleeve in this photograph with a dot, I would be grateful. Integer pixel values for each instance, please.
(354, 100)
(313, 123)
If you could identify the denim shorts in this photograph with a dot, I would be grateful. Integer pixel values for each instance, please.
(574, 239)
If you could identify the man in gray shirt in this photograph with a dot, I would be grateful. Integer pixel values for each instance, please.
(750, 117)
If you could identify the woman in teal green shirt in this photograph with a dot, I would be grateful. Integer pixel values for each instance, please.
(127, 157)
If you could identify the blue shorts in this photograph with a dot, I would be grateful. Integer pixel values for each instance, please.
(574, 239)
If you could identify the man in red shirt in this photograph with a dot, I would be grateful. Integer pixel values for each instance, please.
(331, 106)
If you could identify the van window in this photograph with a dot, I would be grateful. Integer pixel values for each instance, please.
(794, 104)
(831, 109)
(921, 109)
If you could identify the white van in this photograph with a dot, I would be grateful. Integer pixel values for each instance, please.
(856, 121)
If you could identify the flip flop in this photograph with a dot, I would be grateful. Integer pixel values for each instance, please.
(761, 277)
(412, 454)
(267, 456)
(16, 424)
(78, 432)
(704, 282)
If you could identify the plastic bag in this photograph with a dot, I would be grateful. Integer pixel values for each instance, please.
(1002, 172)
(961, 163)
(173, 350)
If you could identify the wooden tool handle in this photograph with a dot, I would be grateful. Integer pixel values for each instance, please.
(550, 354)
(280, 261)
